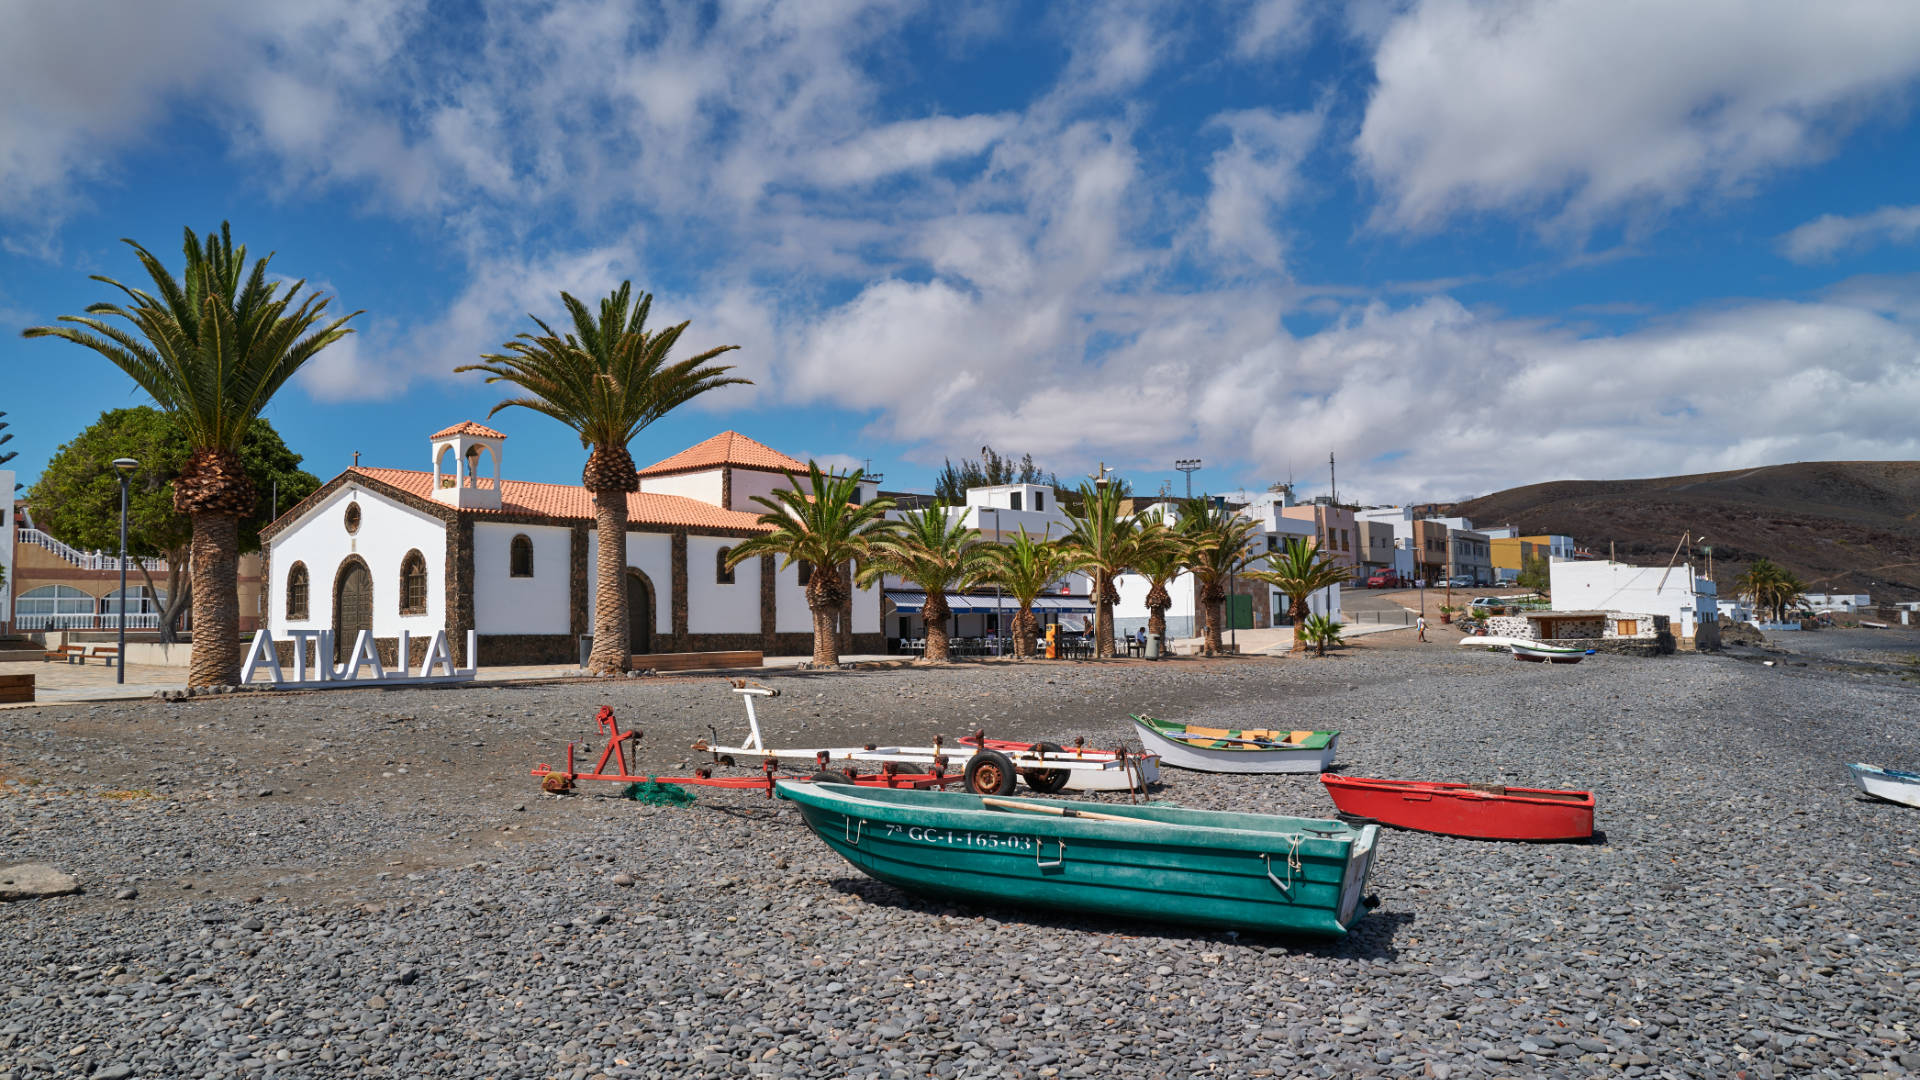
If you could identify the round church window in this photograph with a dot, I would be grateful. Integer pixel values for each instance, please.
(353, 517)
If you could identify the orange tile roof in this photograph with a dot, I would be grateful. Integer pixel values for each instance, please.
(575, 503)
(726, 448)
(467, 427)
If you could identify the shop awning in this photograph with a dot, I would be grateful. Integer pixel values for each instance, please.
(961, 604)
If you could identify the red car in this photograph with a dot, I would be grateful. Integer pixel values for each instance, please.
(1385, 581)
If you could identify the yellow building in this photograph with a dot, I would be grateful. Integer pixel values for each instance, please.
(1510, 553)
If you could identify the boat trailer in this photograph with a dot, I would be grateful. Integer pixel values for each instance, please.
(992, 767)
(560, 781)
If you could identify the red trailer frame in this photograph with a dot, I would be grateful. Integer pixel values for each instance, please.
(560, 781)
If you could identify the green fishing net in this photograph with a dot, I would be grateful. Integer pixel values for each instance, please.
(657, 794)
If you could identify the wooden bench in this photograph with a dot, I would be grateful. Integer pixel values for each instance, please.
(695, 661)
(106, 654)
(72, 654)
(15, 688)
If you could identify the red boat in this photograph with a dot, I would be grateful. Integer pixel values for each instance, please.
(1480, 811)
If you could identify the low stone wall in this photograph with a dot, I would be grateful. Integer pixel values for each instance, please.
(1513, 626)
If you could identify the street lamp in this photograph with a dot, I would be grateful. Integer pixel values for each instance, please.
(1188, 466)
(999, 616)
(125, 467)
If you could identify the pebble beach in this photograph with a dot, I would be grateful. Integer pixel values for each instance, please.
(369, 883)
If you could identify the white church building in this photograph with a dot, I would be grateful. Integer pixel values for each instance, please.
(459, 547)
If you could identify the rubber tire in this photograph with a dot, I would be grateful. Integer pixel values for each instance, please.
(829, 776)
(994, 764)
(1046, 781)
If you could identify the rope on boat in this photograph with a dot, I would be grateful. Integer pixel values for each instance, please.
(1294, 840)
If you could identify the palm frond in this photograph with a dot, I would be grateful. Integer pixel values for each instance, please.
(211, 346)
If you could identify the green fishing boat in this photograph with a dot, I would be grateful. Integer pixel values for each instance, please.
(1255, 872)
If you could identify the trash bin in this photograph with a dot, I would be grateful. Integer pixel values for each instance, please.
(1153, 646)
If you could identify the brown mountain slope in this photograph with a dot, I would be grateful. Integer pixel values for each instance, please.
(1843, 526)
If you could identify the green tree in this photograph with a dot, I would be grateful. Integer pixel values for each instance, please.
(1299, 570)
(816, 522)
(1218, 545)
(212, 348)
(607, 380)
(1024, 567)
(1535, 574)
(1101, 539)
(1770, 587)
(935, 549)
(1321, 631)
(951, 484)
(77, 497)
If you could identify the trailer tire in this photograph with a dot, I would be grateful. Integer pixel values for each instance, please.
(829, 776)
(990, 772)
(1046, 781)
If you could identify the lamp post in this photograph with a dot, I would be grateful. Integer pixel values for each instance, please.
(124, 466)
(999, 616)
(1188, 466)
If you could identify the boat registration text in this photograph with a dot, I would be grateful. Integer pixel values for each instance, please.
(963, 838)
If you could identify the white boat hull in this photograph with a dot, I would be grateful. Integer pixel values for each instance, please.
(1145, 769)
(1534, 651)
(1206, 759)
(1491, 641)
(1891, 785)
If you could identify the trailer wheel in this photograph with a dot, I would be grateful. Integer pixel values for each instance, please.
(990, 772)
(1046, 781)
(829, 776)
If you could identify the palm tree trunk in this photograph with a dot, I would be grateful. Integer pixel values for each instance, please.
(935, 616)
(1299, 614)
(826, 642)
(1157, 623)
(1214, 619)
(1026, 633)
(612, 652)
(216, 600)
(1103, 617)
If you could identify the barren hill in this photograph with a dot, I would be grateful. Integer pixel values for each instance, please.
(1843, 526)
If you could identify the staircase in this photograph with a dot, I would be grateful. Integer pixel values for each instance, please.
(88, 560)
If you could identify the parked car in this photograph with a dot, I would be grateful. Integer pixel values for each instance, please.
(1380, 581)
(1460, 582)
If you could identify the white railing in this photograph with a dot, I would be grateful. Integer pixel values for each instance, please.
(88, 560)
(88, 621)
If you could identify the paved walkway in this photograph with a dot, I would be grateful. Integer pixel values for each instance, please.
(58, 683)
(1279, 639)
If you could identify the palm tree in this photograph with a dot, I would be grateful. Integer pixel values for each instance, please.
(1024, 567)
(818, 523)
(211, 348)
(1160, 556)
(1100, 539)
(1299, 571)
(1218, 546)
(1771, 588)
(607, 380)
(1321, 631)
(935, 549)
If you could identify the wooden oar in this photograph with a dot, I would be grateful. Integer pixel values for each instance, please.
(1247, 742)
(1057, 811)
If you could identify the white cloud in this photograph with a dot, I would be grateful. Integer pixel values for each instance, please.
(1253, 178)
(1271, 27)
(1830, 234)
(909, 144)
(1588, 110)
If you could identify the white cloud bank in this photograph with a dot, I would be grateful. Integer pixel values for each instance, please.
(1586, 110)
(1021, 278)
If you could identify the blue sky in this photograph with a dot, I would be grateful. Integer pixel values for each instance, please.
(1462, 245)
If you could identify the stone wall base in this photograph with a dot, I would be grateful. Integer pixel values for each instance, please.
(507, 650)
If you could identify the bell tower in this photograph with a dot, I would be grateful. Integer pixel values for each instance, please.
(466, 466)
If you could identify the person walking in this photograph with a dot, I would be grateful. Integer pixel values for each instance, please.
(1422, 624)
